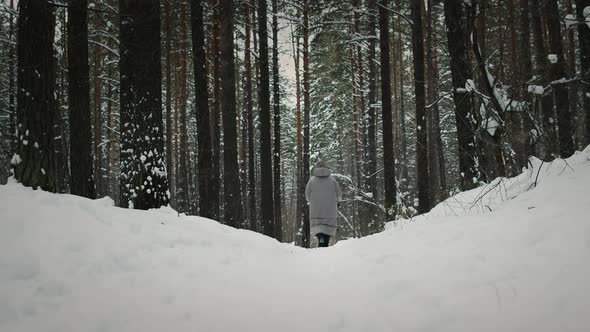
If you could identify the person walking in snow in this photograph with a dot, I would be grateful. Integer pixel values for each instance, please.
(323, 195)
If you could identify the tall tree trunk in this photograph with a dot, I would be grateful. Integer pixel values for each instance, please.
(252, 218)
(584, 41)
(143, 172)
(232, 209)
(516, 136)
(11, 79)
(277, 126)
(436, 163)
(388, 156)
(183, 157)
(216, 111)
(112, 142)
(98, 121)
(361, 98)
(300, 184)
(570, 55)
(460, 71)
(79, 100)
(60, 140)
(550, 142)
(34, 158)
(370, 181)
(266, 191)
(525, 69)
(401, 130)
(353, 160)
(557, 72)
(421, 126)
(306, 115)
(207, 203)
(170, 167)
(496, 139)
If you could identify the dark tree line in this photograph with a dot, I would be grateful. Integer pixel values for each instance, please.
(186, 103)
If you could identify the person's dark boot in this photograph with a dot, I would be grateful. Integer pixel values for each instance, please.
(323, 240)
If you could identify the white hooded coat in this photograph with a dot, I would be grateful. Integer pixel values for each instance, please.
(323, 195)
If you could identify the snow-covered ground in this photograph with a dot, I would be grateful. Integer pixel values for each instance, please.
(510, 256)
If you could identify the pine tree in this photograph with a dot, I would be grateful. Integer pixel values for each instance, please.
(460, 72)
(388, 156)
(266, 191)
(79, 100)
(306, 118)
(436, 162)
(276, 126)
(248, 108)
(370, 180)
(183, 176)
(33, 161)
(170, 167)
(421, 123)
(550, 141)
(143, 172)
(557, 72)
(215, 111)
(584, 42)
(207, 206)
(232, 209)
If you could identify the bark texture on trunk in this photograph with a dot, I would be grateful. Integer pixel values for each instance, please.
(82, 182)
(207, 203)
(33, 161)
(557, 74)
(584, 40)
(422, 177)
(276, 126)
(388, 155)
(460, 72)
(143, 182)
(232, 202)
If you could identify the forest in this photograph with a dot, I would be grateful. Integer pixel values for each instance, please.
(220, 108)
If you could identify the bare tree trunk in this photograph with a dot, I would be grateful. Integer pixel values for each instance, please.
(361, 100)
(79, 100)
(550, 142)
(170, 167)
(215, 113)
(61, 90)
(557, 72)
(183, 169)
(232, 207)
(526, 69)
(266, 191)
(277, 127)
(421, 123)
(11, 80)
(300, 185)
(496, 139)
(571, 73)
(207, 202)
(401, 130)
(370, 181)
(250, 121)
(460, 70)
(306, 115)
(388, 156)
(98, 121)
(34, 158)
(143, 172)
(436, 163)
(584, 41)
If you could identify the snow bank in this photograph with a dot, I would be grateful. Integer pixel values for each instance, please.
(72, 264)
